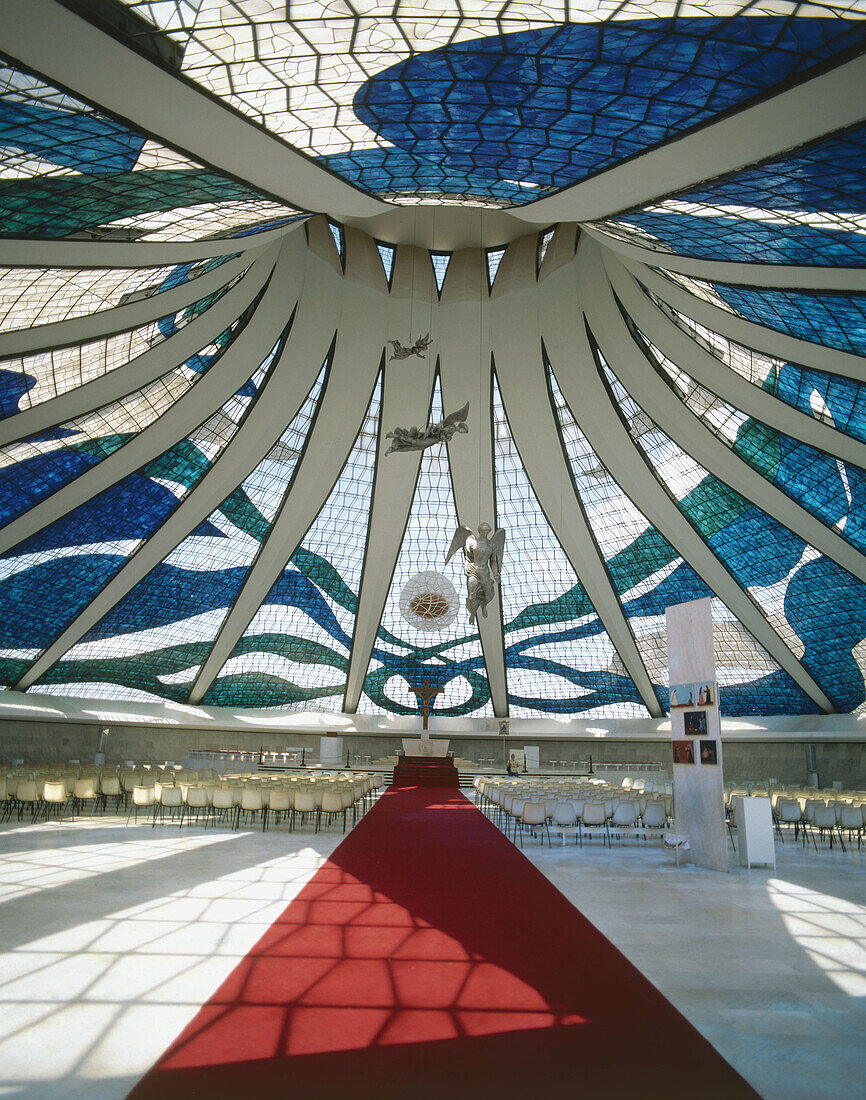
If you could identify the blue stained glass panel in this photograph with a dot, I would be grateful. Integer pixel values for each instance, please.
(558, 656)
(294, 653)
(156, 639)
(543, 108)
(834, 320)
(761, 554)
(61, 568)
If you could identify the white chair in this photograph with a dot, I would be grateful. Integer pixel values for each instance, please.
(27, 794)
(86, 789)
(534, 817)
(565, 821)
(223, 804)
(305, 806)
(55, 795)
(788, 812)
(593, 821)
(332, 806)
(280, 803)
(171, 799)
(252, 803)
(654, 820)
(110, 788)
(824, 821)
(623, 821)
(143, 797)
(196, 802)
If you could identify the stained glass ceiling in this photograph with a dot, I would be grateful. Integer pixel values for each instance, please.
(494, 102)
(198, 377)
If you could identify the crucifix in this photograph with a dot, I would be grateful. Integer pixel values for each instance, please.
(426, 695)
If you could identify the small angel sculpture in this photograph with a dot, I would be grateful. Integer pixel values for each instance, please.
(418, 348)
(416, 439)
(482, 564)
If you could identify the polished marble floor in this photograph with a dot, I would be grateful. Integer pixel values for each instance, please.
(112, 936)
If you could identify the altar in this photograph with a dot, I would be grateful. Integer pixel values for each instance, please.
(425, 746)
(424, 762)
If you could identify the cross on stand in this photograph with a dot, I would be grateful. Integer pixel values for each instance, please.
(426, 695)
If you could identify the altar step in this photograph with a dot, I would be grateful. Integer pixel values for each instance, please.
(439, 774)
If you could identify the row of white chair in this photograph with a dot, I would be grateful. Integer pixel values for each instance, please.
(246, 797)
(522, 808)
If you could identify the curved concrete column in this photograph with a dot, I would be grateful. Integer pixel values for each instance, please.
(145, 368)
(726, 383)
(108, 322)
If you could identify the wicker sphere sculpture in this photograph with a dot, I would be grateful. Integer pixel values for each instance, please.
(429, 601)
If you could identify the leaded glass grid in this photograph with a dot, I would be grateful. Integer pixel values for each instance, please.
(48, 579)
(156, 638)
(404, 657)
(558, 656)
(775, 566)
(649, 576)
(294, 653)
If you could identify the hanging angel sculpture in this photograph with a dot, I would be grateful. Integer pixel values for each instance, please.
(416, 439)
(482, 564)
(418, 348)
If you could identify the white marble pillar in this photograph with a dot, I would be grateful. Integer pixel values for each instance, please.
(698, 786)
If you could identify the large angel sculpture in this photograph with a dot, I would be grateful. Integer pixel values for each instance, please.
(418, 348)
(416, 439)
(482, 564)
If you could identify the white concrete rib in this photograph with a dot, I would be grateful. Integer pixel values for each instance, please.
(852, 280)
(725, 382)
(291, 378)
(520, 368)
(101, 69)
(145, 368)
(406, 400)
(107, 322)
(464, 345)
(66, 252)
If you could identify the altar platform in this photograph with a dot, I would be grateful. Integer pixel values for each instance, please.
(425, 771)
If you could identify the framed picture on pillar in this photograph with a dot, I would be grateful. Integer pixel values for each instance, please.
(503, 727)
(705, 694)
(695, 723)
(682, 695)
(683, 752)
(709, 752)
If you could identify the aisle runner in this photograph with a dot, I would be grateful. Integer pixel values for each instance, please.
(428, 958)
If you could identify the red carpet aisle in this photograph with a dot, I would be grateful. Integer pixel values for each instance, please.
(428, 958)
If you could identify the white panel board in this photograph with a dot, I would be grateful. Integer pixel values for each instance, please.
(697, 752)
